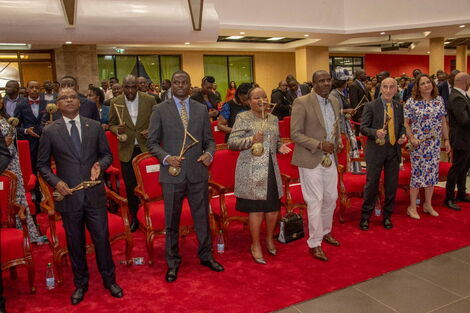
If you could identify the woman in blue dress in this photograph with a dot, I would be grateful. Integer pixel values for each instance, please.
(425, 123)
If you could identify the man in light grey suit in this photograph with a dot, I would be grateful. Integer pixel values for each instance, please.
(168, 122)
(81, 153)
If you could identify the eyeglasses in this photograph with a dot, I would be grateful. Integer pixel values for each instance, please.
(67, 97)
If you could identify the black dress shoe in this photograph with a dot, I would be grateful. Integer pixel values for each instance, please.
(452, 205)
(78, 295)
(387, 223)
(364, 224)
(213, 265)
(115, 290)
(171, 274)
(134, 225)
(463, 198)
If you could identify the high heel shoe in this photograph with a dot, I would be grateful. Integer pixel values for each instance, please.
(272, 251)
(430, 210)
(257, 260)
(412, 213)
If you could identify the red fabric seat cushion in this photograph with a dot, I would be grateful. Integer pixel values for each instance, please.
(230, 203)
(11, 240)
(157, 214)
(354, 182)
(444, 168)
(30, 182)
(115, 226)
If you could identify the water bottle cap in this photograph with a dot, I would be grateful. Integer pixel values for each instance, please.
(49, 264)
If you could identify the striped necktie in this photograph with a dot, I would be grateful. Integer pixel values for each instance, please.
(184, 114)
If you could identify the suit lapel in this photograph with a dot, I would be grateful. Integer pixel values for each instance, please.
(140, 110)
(68, 141)
(176, 114)
(85, 130)
(316, 107)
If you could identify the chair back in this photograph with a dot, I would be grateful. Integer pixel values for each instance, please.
(113, 146)
(284, 127)
(219, 136)
(343, 155)
(147, 172)
(24, 155)
(8, 185)
(285, 164)
(222, 169)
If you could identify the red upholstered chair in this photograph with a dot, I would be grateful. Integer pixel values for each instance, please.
(222, 183)
(116, 182)
(219, 136)
(118, 225)
(14, 243)
(29, 178)
(293, 198)
(444, 168)
(350, 185)
(152, 210)
(284, 127)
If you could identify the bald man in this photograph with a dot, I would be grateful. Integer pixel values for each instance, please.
(386, 156)
(458, 110)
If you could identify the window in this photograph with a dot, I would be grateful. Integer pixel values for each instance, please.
(225, 68)
(153, 67)
(350, 63)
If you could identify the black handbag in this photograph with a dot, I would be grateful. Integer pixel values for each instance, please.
(291, 227)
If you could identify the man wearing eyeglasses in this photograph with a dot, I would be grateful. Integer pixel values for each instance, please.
(81, 153)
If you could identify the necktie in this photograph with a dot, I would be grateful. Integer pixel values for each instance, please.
(75, 138)
(184, 114)
(391, 124)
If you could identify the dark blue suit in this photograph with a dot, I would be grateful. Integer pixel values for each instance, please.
(443, 88)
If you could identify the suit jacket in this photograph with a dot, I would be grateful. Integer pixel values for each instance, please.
(146, 103)
(21, 101)
(27, 119)
(5, 156)
(458, 110)
(200, 98)
(104, 114)
(251, 174)
(373, 119)
(56, 142)
(283, 106)
(87, 109)
(291, 95)
(307, 130)
(443, 88)
(358, 95)
(166, 134)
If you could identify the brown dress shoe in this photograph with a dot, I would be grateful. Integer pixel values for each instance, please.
(318, 253)
(332, 241)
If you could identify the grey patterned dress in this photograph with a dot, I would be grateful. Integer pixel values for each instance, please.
(258, 185)
(14, 166)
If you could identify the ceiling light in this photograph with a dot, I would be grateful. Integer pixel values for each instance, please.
(382, 33)
(446, 42)
(234, 37)
(119, 50)
(306, 35)
(428, 52)
(242, 33)
(462, 26)
(275, 38)
(68, 42)
(14, 46)
(187, 43)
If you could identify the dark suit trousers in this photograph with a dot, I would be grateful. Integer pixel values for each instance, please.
(131, 182)
(173, 195)
(385, 158)
(458, 174)
(96, 221)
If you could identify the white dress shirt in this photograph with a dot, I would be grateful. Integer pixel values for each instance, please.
(133, 108)
(77, 123)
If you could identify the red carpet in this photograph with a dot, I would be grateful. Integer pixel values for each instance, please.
(293, 276)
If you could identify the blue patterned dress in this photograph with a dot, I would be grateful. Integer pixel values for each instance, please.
(425, 121)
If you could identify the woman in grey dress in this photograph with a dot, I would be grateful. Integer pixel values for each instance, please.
(258, 185)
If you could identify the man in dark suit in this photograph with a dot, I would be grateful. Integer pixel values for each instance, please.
(458, 110)
(87, 107)
(387, 156)
(81, 153)
(359, 95)
(168, 123)
(279, 98)
(206, 96)
(5, 158)
(134, 109)
(143, 86)
(48, 95)
(445, 87)
(117, 91)
(295, 89)
(12, 98)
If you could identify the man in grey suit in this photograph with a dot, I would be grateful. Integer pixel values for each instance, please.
(81, 153)
(386, 156)
(168, 122)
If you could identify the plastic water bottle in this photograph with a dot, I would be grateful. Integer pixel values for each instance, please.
(377, 209)
(50, 279)
(220, 243)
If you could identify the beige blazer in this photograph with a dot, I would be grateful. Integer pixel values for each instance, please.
(251, 174)
(146, 103)
(308, 130)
